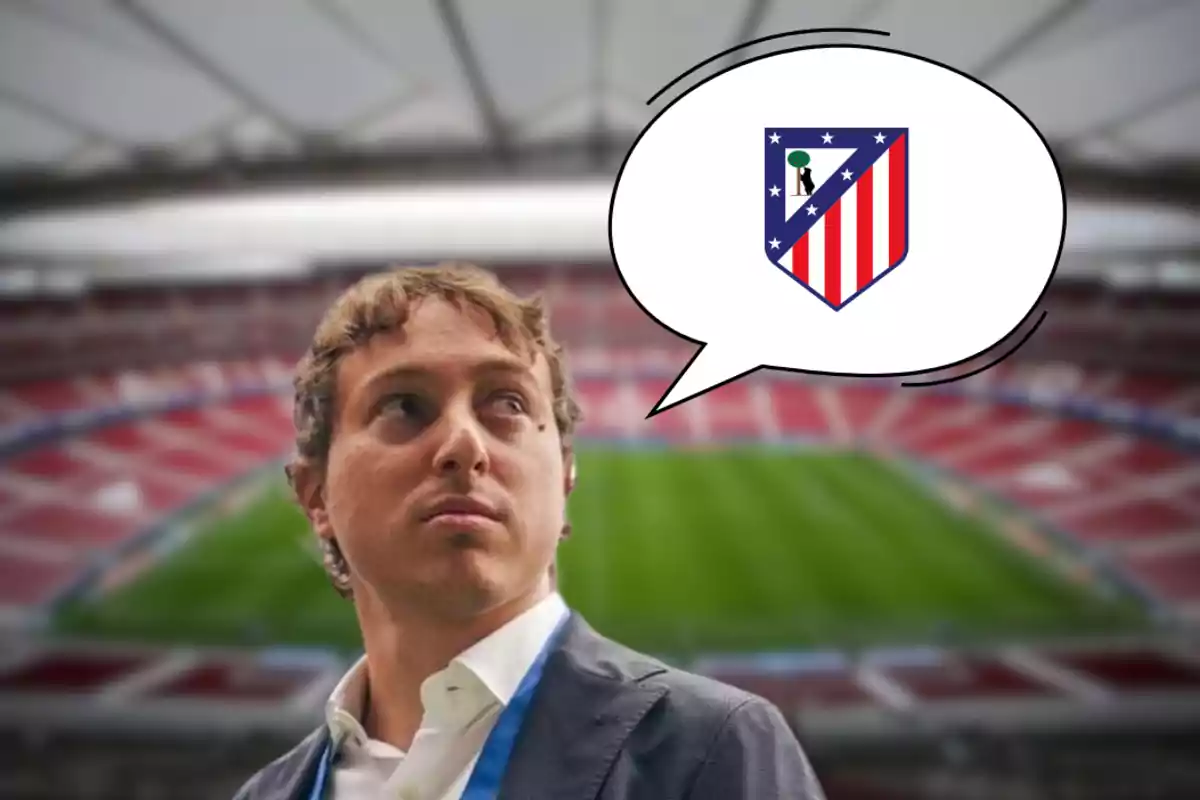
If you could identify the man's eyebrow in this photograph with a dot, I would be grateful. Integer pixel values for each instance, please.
(405, 371)
(393, 374)
(513, 366)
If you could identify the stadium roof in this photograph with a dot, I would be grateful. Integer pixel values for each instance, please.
(127, 99)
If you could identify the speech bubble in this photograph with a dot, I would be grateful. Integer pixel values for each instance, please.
(965, 203)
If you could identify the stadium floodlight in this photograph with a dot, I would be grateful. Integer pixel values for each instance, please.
(1178, 274)
(1096, 226)
(493, 219)
(1126, 275)
(64, 281)
(18, 281)
(434, 220)
(199, 269)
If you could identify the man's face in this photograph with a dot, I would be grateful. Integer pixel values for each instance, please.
(445, 478)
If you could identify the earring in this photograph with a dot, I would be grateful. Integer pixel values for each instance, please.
(336, 566)
(566, 530)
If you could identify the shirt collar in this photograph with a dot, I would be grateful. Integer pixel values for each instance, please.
(343, 711)
(498, 661)
(501, 659)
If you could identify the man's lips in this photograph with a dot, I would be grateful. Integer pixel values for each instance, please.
(460, 506)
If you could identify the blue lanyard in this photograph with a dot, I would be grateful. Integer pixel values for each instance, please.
(484, 783)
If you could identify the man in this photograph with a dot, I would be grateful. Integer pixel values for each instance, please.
(806, 178)
(434, 459)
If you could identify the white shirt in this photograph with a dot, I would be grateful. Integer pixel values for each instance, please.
(461, 705)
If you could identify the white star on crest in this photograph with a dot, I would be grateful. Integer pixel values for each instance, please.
(774, 244)
(846, 175)
(774, 138)
(879, 137)
(774, 191)
(827, 138)
(812, 210)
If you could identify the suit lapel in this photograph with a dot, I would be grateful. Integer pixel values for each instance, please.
(291, 776)
(590, 699)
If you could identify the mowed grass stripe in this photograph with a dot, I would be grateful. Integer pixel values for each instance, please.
(956, 555)
(643, 540)
(1003, 573)
(728, 578)
(750, 536)
(768, 536)
(918, 540)
(782, 548)
(890, 579)
(835, 538)
(584, 569)
(247, 576)
(987, 579)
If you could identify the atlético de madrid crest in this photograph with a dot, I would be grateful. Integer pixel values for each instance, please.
(836, 207)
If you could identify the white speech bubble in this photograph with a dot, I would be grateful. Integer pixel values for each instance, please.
(984, 222)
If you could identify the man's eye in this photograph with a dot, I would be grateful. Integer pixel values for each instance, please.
(408, 405)
(508, 403)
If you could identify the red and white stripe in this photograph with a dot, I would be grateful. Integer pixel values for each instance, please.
(860, 236)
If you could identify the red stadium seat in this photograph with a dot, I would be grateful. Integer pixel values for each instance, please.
(28, 581)
(1173, 575)
(1134, 670)
(801, 690)
(965, 678)
(83, 527)
(797, 409)
(72, 672)
(1145, 518)
(240, 680)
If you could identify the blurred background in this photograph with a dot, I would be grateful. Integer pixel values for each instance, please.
(984, 588)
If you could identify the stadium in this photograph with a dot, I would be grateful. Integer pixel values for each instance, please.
(987, 586)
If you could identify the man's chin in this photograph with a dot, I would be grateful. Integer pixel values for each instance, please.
(465, 540)
(468, 576)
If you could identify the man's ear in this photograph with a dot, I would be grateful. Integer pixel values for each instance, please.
(308, 485)
(570, 472)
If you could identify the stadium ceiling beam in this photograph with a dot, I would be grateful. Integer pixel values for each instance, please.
(601, 27)
(42, 111)
(1176, 184)
(1147, 108)
(54, 14)
(34, 189)
(347, 25)
(576, 157)
(1031, 34)
(192, 56)
(485, 101)
(756, 11)
(1086, 263)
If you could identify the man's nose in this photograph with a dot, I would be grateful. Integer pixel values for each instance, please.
(462, 449)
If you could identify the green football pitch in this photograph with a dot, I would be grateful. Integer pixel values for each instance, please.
(674, 553)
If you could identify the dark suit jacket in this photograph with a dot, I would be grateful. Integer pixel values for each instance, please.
(608, 723)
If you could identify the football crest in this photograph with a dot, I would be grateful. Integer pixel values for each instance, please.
(836, 207)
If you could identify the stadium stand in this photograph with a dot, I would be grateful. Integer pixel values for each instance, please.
(106, 437)
(102, 484)
(1067, 441)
